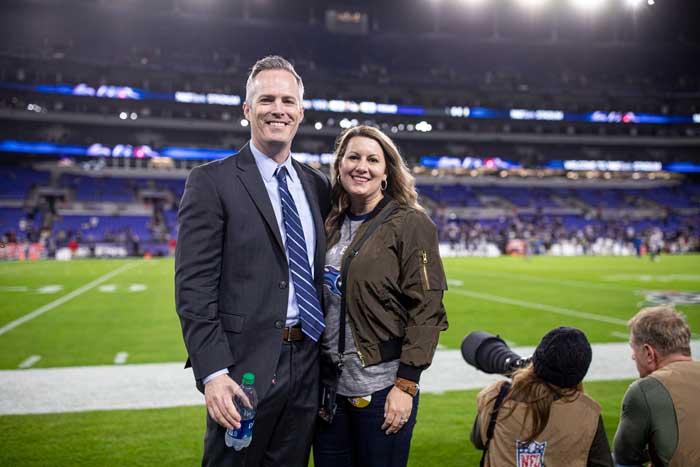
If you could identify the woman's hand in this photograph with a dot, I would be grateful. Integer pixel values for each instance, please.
(397, 409)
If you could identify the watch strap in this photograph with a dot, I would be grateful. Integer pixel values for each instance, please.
(407, 386)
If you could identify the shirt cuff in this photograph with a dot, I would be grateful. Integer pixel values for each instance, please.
(214, 375)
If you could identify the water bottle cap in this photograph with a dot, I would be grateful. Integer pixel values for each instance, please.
(248, 378)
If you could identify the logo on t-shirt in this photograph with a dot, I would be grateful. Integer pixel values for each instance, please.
(331, 279)
(530, 455)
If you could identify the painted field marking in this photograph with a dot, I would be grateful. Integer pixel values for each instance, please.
(455, 282)
(14, 288)
(572, 283)
(28, 363)
(60, 301)
(120, 358)
(49, 289)
(653, 277)
(110, 288)
(622, 335)
(541, 306)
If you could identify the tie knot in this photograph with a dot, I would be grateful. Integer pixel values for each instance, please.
(281, 174)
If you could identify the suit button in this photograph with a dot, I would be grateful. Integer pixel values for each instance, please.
(279, 324)
(282, 284)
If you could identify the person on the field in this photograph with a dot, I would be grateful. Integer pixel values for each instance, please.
(660, 416)
(383, 289)
(248, 278)
(544, 417)
(656, 243)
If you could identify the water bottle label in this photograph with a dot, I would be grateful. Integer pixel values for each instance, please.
(245, 431)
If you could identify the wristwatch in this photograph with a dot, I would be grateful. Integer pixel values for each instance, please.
(407, 386)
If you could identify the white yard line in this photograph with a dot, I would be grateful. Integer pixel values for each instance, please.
(622, 335)
(28, 363)
(541, 306)
(11, 288)
(64, 299)
(109, 387)
(120, 358)
(565, 282)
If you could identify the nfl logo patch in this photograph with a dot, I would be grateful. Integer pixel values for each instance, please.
(530, 455)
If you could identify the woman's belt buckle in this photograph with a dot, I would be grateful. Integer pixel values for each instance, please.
(360, 402)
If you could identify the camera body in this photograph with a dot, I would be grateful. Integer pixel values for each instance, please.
(490, 354)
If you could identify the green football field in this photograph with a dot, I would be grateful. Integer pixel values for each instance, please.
(83, 313)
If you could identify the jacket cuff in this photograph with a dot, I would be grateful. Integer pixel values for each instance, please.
(409, 372)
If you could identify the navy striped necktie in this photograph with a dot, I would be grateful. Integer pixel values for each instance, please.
(310, 312)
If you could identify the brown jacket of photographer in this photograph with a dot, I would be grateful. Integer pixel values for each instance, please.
(569, 432)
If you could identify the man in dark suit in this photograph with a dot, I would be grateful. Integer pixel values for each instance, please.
(248, 276)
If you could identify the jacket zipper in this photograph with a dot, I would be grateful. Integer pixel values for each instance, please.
(424, 268)
(362, 359)
(352, 336)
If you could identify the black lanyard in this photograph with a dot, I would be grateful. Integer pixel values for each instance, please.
(492, 421)
(349, 256)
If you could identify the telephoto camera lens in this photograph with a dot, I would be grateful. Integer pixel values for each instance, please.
(490, 354)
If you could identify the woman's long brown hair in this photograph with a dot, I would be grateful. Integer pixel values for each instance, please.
(538, 396)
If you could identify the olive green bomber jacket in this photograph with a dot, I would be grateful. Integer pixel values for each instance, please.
(394, 289)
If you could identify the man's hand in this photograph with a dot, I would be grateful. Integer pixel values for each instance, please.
(218, 395)
(397, 409)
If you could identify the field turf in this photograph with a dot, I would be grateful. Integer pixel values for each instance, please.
(87, 312)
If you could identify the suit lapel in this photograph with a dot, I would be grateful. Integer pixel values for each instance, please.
(250, 176)
(312, 197)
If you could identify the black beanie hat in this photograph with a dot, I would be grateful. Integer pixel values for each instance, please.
(563, 357)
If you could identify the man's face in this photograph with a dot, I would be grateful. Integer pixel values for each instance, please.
(644, 357)
(274, 111)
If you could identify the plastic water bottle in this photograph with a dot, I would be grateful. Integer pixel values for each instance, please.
(241, 437)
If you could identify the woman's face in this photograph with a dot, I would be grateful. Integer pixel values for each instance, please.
(362, 169)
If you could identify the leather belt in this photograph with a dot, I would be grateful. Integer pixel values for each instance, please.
(293, 334)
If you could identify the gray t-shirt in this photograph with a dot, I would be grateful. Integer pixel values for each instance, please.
(355, 380)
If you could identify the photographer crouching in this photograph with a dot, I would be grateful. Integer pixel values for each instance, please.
(542, 418)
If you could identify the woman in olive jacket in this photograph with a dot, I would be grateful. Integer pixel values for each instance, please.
(384, 283)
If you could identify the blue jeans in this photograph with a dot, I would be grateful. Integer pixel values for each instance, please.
(355, 438)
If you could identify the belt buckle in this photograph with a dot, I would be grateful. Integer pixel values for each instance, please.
(288, 335)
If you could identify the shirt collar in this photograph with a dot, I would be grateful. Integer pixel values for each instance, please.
(268, 167)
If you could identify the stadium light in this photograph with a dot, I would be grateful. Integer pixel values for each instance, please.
(423, 126)
(318, 125)
(588, 5)
(532, 4)
(244, 122)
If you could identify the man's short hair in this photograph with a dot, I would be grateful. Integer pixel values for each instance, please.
(272, 62)
(663, 328)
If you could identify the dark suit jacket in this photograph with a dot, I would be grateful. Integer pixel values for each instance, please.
(231, 271)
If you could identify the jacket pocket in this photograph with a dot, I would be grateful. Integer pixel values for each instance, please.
(431, 273)
(231, 322)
